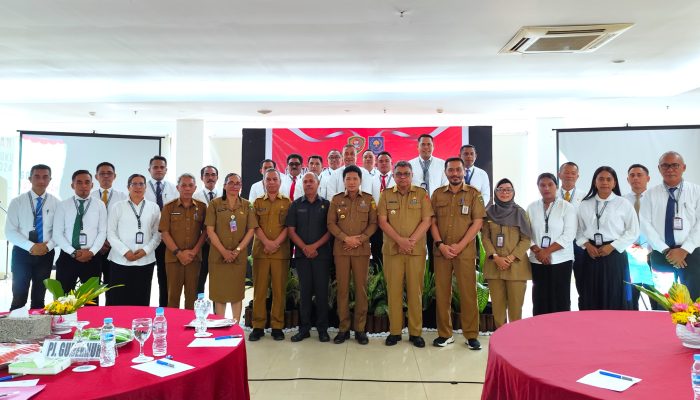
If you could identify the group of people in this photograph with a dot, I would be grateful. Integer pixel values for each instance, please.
(338, 218)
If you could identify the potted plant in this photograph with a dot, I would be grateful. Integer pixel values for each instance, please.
(64, 307)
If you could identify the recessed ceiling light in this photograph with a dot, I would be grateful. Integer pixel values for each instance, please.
(264, 111)
(618, 61)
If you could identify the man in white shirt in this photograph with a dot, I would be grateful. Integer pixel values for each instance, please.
(637, 254)
(428, 171)
(132, 231)
(293, 188)
(670, 219)
(105, 173)
(475, 176)
(80, 231)
(315, 164)
(258, 189)
(334, 161)
(160, 192)
(336, 184)
(568, 175)
(209, 176)
(383, 179)
(28, 227)
(368, 161)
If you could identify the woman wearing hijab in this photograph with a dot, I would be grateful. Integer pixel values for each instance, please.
(506, 238)
(553, 224)
(607, 225)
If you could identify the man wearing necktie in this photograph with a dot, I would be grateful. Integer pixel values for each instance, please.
(568, 176)
(105, 174)
(160, 191)
(209, 176)
(670, 219)
(382, 180)
(80, 231)
(475, 176)
(29, 228)
(294, 167)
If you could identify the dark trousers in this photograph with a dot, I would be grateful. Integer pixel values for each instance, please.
(204, 269)
(376, 242)
(690, 275)
(162, 276)
(313, 282)
(429, 242)
(27, 269)
(578, 270)
(551, 287)
(137, 285)
(104, 266)
(69, 270)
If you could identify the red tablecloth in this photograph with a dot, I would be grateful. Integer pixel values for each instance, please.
(544, 356)
(219, 373)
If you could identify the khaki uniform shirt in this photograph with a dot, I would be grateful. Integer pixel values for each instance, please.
(350, 217)
(515, 243)
(404, 213)
(454, 214)
(219, 216)
(184, 224)
(271, 216)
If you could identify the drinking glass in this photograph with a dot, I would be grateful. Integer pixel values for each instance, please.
(79, 352)
(142, 331)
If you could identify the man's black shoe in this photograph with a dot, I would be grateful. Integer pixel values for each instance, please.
(361, 338)
(277, 334)
(323, 336)
(300, 336)
(417, 341)
(256, 334)
(341, 337)
(392, 340)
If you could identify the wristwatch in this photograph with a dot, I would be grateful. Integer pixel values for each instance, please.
(176, 251)
(74, 253)
(438, 243)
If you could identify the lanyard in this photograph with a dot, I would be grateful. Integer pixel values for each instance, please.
(109, 197)
(85, 210)
(572, 192)
(599, 214)
(36, 212)
(162, 188)
(673, 196)
(138, 216)
(546, 216)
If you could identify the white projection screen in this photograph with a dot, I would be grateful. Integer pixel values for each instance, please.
(67, 152)
(621, 147)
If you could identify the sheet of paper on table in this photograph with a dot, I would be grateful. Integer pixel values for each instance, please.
(19, 383)
(597, 379)
(20, 393)
(211, 342)
(152, 367)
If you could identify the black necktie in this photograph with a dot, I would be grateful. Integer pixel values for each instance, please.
(159, 195)
(211, 196)
(670, 214)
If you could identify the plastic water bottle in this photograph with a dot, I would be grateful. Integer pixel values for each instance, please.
(108, 343)
(695, 376)
(160, 333)
(201, 312)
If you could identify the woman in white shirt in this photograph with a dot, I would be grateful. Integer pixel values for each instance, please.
(553, 223)
(607, 225)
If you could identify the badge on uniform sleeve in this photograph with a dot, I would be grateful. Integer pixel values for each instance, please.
(677, 224)
(500, 240)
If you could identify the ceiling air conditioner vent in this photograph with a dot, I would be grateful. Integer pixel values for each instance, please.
(562, 39)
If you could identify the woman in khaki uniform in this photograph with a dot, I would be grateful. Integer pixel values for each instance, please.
(230, 223)
(506, 237)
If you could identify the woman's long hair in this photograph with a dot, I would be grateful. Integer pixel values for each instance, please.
(594, 190)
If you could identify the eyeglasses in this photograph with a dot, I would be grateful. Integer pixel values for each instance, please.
(666, 166)
(294, 164)
(504, 190)
(402, 174)
(234, 183)
(137, 184)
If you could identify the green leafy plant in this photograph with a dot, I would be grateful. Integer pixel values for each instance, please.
(68, 303)
(292, 290)
(428, 286)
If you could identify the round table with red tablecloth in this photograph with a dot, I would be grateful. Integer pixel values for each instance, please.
(543, 357)
(219, 373)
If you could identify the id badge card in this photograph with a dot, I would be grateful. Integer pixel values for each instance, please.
(500, 240)
(233, 225)
(33, 236)
(82, 239)
(598, 239)
(546, 242)
(139, 237)
(677, 224)
(465, 210)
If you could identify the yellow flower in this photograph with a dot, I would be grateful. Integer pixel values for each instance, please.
(680, 317)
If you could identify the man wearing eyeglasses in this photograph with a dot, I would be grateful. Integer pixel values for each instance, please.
(334, 162)
(669, 215)
(293, 188)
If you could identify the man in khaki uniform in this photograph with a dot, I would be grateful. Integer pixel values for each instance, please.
(352, 219)
(405, 215)
(182, 230)
(271, 253)
(459, 214)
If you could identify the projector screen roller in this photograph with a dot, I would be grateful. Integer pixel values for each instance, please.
(621, 147)
(67, 152)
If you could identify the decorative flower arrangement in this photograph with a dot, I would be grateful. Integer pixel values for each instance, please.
(677, 301)
(68, 303)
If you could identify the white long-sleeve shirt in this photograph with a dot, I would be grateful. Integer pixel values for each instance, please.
(377, 184)
(324, 177)
(562, 228)
(436, 173)
(203, 194)
(576, 196)
(336, 184)
(123, 226)
(114, 196)
(170, 192)
(286, 186)
(94, 224)
(618, 222)
(20, 219)
(652, 215)
(480, 180)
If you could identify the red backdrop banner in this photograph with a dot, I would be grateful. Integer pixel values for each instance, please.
(400, 142)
